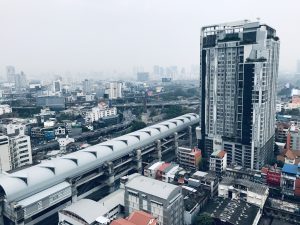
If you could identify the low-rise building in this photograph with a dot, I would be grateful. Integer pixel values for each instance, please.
(163, 200)
(89, 212)
(218, 161)
(194, 200)
(189, 158)
(246, 190)
(15, 151)
(233, 212)
(99, 112)
(5, 109)
(293, 138)
(206, 181)
(289, 157)
(290, 179)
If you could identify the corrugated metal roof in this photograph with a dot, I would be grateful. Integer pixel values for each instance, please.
(29, 181)
(290, 168)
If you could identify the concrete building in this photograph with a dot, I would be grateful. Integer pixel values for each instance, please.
(5, 109)
(206, 181)
(233, 212)
(246, 190)
(11, 127)
(15, 151)
(189, 158)
(162, 200)
(238, 78)
(293, 138)
(114, 90)
(218, 162)
(56, 86)
(10, 73)
(90, 212)
(290, 180)
(86, 86)
(99, 112)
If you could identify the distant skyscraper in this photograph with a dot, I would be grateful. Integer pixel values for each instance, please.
(114, 90)
(20, 81)
(238, 75)
(142, 76)
(86, 86)
(10, 73)
(56, 86)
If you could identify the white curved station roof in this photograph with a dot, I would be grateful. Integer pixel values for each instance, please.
(26, 182)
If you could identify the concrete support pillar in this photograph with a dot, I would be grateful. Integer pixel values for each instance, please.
(1, 210)
(190, 136)
(139, 160)
(74, 193)
(176, 143)
(158, 149)
(111, 177)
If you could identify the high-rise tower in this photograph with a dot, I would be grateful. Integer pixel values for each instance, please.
(238, 75)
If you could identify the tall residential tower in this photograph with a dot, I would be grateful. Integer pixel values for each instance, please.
(238, 75)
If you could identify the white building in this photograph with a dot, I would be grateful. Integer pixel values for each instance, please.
(5, 109)
(238, 80)
(96, 113)
(63, 142)
(246, 190)
(13, 128)
(218, 161)
(114, 90)
(15, 152)
(86, 211)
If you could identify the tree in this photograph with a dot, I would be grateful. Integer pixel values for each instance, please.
(204, 219)
(137, 125)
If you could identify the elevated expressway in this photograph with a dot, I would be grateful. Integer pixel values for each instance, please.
(33, 195)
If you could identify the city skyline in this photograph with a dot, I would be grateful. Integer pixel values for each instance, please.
(55, 37)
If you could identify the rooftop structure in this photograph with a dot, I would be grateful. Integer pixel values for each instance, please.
(246, 190)
(233, 212)
(87, 211)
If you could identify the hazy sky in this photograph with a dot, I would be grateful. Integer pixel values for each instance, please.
(56, 36)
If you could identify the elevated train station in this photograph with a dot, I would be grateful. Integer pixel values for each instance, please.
(34, 195)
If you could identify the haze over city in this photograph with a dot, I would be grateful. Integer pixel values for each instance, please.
(88, 37)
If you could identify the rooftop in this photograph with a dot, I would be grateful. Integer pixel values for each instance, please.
(136, 218)
(291, 169)
(251, 186)
(236, 212)
(152, 187)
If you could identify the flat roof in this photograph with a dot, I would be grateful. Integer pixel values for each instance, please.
(252, 186)
(152, 187)
(233, 211)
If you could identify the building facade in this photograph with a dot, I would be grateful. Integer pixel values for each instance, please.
(189, 158)
(238, 75)
(162, 200)
(15, 151)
